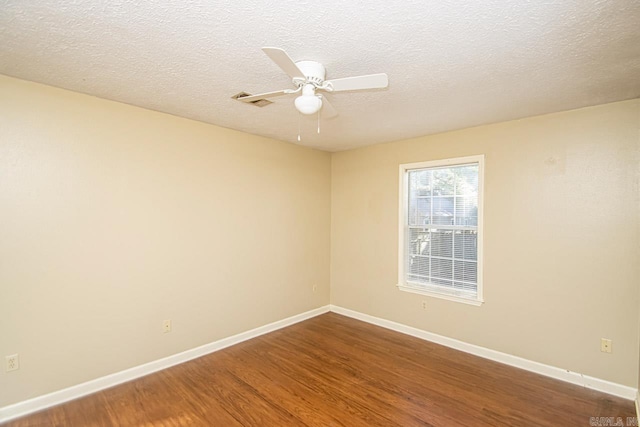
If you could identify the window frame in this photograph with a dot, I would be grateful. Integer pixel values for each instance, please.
(403, 216)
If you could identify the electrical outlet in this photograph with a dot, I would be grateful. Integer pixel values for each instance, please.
(605, 345)
(166, 326)
(12, 363)
(424, 305)
(315, 288)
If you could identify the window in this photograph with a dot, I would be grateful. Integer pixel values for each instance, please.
(440, 239)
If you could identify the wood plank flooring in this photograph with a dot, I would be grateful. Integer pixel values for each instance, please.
(335, 371)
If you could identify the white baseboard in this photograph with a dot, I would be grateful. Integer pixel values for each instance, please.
(638, 405)
(55, 398)
(619, 390)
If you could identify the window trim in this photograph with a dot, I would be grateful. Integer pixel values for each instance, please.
(403, 215)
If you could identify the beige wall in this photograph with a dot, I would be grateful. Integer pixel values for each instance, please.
(114, 218)
(561, 238)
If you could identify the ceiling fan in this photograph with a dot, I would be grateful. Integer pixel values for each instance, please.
(308, 77)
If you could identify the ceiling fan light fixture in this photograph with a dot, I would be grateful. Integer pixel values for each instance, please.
(309, 77)
(308, 104)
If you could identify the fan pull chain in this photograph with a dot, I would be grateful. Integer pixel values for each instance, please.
(318, 122)
(298, 127)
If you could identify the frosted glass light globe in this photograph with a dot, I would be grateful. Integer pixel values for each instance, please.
(308, 104)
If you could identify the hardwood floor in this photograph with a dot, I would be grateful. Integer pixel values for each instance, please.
(335, 371)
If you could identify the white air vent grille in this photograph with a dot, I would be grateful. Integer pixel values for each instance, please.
(258, 102)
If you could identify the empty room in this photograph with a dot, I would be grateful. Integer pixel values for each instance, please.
(285, 213)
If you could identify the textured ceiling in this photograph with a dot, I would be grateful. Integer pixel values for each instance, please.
(451, 64)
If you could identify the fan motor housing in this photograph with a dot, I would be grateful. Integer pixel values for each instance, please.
(313, 71)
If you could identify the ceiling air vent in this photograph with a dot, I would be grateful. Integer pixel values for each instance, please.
(258, 102)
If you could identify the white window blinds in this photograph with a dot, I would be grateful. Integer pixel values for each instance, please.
(440, 233)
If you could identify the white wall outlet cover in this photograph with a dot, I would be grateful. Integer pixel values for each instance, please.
(12, 363)
(166, 326)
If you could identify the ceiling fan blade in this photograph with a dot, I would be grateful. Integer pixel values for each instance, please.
(283, 61)
(370, 81)
(252, 98)
(328, 111)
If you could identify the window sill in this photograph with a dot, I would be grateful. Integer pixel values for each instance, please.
(449, 297)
